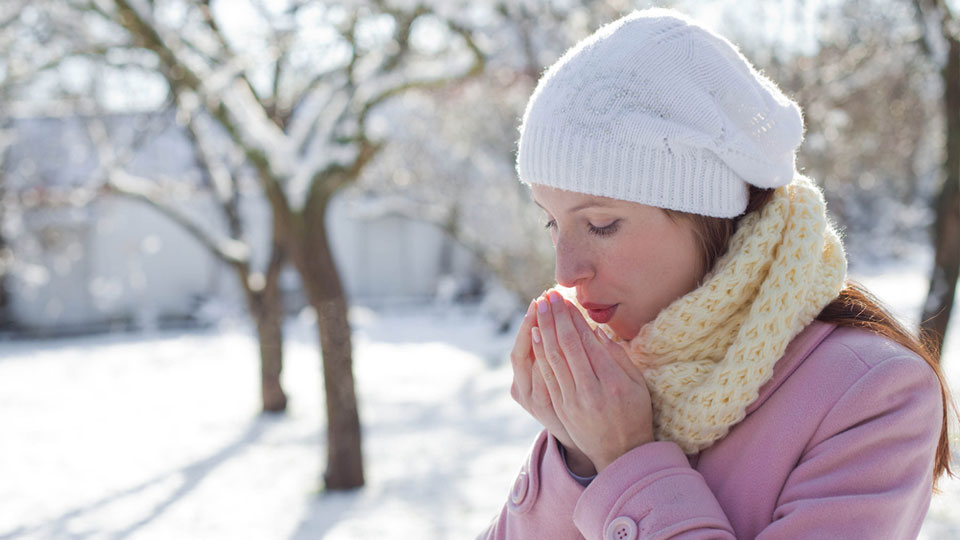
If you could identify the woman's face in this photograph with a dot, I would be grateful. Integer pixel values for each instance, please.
(627, 261)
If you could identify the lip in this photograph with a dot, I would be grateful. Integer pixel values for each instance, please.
(601, 313)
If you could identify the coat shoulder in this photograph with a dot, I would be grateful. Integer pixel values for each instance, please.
(857, 355)
(825, 361)
(859, 362)
(864, 349)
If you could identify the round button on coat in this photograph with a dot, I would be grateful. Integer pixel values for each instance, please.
(621, 528)
(520, 488)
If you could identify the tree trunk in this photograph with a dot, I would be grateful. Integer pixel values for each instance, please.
(946, 232)
(265, 303)
(344, 450)
(6, 258)
(5, 318)
(270, 334)
(321, 282)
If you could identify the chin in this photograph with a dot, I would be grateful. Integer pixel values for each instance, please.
(623, 333)
(625, 330)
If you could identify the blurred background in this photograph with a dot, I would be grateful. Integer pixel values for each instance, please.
(262, 261)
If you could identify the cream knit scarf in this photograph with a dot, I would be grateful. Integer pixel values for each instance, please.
(707, 354)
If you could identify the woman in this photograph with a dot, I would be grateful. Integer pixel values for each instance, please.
(703, 369)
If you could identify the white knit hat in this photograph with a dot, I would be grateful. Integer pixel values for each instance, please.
(654, 108)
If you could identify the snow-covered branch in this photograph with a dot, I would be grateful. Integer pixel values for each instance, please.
(397, 83)
(225, 93)
(224, 186)
(229, 250)
(118, 181)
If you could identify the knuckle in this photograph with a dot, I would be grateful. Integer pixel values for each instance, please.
(617, 392)
(568, 340)
(585, 334)
(554, 359)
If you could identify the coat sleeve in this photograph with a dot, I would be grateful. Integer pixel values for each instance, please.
(868, 470)
(866, 473)
(650, 492)
(541, 502)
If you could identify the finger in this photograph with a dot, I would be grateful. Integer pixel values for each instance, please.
(602, 358)
(551, 349)
(538, 389)
(595, 349)
(622, 359)
(545, 369)
(571, 341)
(522, 354)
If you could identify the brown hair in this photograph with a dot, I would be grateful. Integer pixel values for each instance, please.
(854, 307)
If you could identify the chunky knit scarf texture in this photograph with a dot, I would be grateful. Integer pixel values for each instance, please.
(707, 354)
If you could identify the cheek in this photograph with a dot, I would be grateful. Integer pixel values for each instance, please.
(667, 261)
(680, 258)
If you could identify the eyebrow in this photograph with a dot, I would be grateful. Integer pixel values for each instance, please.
(595, 203)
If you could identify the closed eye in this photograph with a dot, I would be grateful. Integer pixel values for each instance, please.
(598, 231)
(605, 231)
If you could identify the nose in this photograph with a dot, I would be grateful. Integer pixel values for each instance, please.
(573, 263)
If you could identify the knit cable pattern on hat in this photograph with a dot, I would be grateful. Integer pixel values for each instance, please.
(707, 354)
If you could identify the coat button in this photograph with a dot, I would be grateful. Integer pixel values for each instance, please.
(520, 488)
(621, 528)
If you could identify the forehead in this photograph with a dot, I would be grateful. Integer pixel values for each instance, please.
(546, 197)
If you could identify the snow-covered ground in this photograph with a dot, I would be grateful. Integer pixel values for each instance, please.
(158, 436)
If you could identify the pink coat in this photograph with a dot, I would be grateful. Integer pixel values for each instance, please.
(839, 444)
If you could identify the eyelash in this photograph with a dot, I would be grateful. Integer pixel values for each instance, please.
(598, 231)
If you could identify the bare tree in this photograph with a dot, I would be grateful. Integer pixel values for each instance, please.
(38, 38)
(944, 26)
(302, 123)
(6, 256)
(261, 289)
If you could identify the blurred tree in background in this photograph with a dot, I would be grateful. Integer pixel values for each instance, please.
(304, 129)
(942, 35)
(294, 91)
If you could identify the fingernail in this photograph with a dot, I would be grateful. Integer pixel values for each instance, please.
(602, 335)
(530, 307)
(542, 305)
(555, 297)
(535, 333)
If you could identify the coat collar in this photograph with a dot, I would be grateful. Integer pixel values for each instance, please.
(797, 351)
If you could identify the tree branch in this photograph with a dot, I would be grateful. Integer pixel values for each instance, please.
(229, 250)
(222, 182)
(260, 142)
(118, 181)
(475, 69)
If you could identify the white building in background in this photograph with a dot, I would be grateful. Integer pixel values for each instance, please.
(84, 260)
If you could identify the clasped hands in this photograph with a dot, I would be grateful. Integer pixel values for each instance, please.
(580, 385)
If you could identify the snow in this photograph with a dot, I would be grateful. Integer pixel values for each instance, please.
(158, 435)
